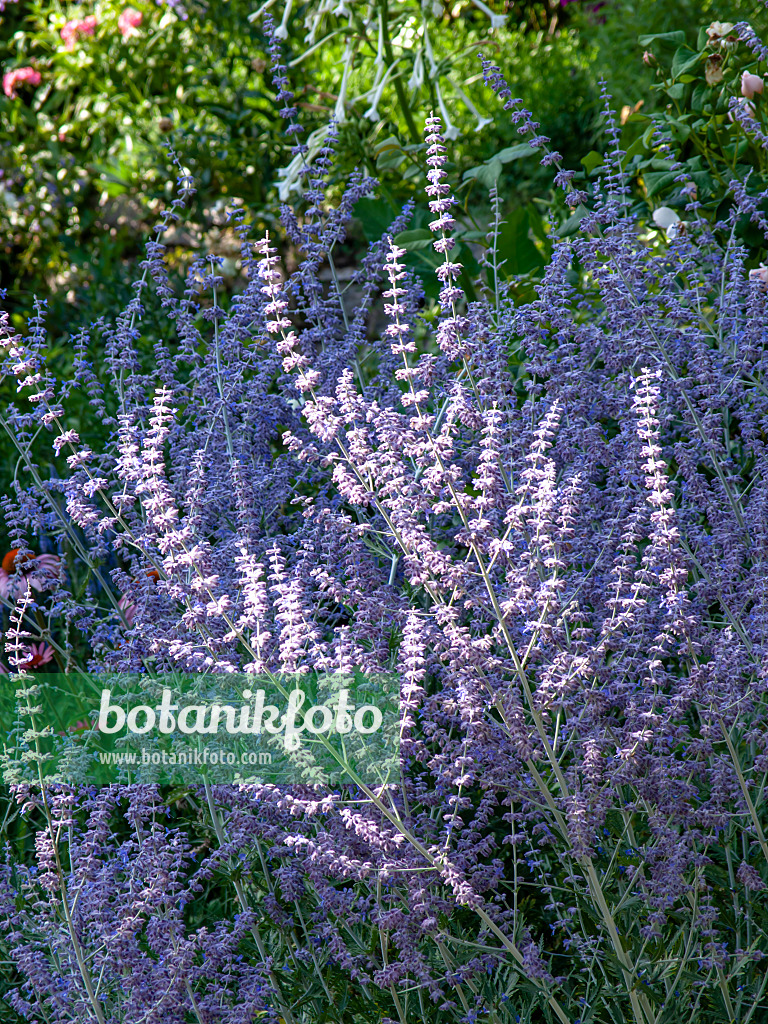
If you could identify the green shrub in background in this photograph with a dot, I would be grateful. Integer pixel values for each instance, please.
(702, 144)
(82, 153)
(613, 28)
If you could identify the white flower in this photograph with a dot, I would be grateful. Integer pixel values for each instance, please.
(430, 54)
(372, 113)
(282, 31)
(380, 62)
(481, 121)
(339, 112)
(720, 33)
(665, 218)
(417, 76)
(450, 131)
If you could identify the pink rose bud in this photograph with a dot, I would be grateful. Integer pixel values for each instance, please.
(750, 85)
(75, 28)
(69, 35)
(129, 21)
(13, 79)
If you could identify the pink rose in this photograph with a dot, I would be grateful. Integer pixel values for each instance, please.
(13, 79)
(129, 21)
(73, 29)
(751, 84)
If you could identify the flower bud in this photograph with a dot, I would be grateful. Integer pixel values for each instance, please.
(713, 71)
(750, 85)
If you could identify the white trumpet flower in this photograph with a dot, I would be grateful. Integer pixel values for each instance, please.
(417, 75)
(497, 20)
(339, 113)
(450, 130)
(430, 54)
(281, 32)
(380, 61)
(481, 121)
(372, 113)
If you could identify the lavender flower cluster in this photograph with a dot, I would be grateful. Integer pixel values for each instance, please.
(549, 518)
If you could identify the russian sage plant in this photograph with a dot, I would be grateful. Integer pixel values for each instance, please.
(548, 518)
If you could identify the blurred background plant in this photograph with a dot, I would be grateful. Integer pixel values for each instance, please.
(93, 93)
(614, 27)
(82, 156)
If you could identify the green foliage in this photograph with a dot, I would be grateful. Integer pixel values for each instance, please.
(82, 155)
(615, 27)
(697, 133)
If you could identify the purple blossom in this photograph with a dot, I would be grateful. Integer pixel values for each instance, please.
(546, 515)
